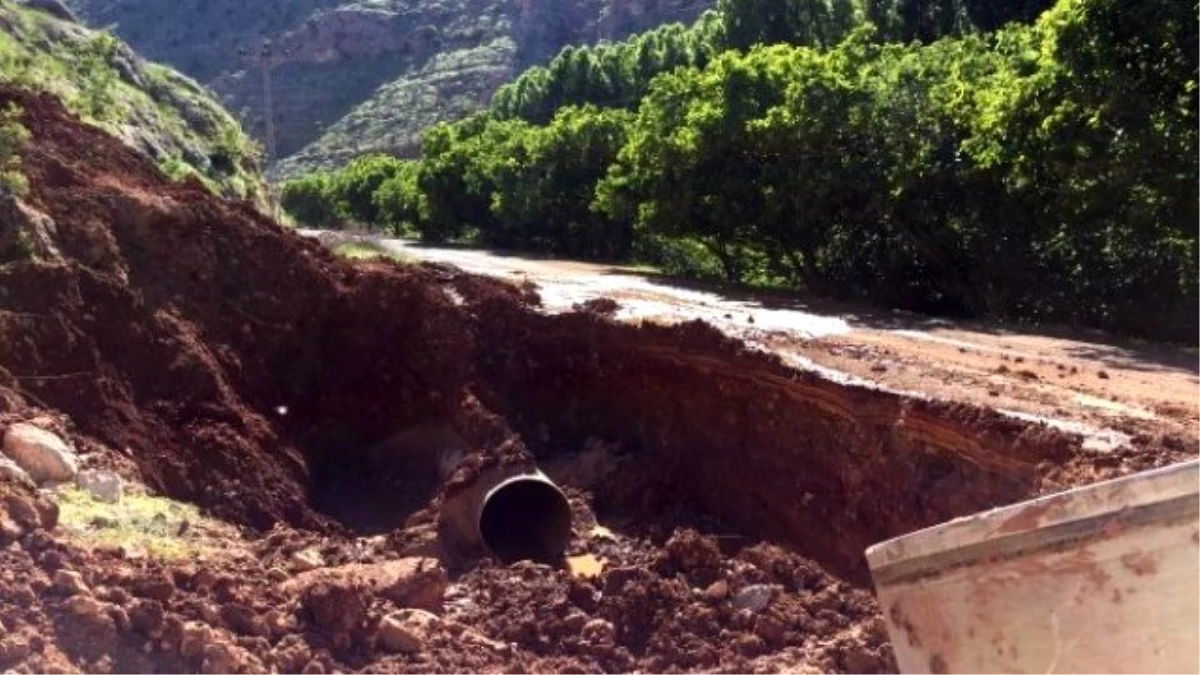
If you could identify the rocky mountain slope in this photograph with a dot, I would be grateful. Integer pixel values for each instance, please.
(168, 117)
(353, 76)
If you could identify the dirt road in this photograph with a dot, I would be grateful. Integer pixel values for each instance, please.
(1115, 392)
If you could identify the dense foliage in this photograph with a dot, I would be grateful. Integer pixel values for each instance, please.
(890, 151)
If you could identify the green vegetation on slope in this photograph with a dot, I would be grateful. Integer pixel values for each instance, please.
(12, 136)
(163, 114)
(1038, 172)
(358, 76)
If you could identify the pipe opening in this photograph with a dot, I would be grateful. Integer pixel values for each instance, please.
(526, 518)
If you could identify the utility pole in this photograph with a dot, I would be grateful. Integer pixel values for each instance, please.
(268, 105)
(265, 59)
(267, 56)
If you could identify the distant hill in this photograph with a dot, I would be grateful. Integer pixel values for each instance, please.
(165, 115)
(368, 75)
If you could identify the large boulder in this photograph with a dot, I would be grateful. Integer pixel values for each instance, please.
(43, 455)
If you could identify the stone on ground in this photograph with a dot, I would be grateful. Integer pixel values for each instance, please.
(408, 582)
(103, 486)
(11, 472)
(407, 630)
(43, 455)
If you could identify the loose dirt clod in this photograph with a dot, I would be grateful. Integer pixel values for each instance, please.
(729, 495)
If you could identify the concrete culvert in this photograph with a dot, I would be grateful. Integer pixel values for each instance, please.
(525, 518)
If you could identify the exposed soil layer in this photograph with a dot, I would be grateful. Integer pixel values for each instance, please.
(197, 347)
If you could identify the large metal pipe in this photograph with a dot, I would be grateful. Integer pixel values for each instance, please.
(513, 513)
(525, 517)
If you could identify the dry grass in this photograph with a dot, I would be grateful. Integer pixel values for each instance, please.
(362, 250)
(155, 526)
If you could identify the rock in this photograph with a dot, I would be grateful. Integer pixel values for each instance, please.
(470, 637)
(858, 658)
(103, 486)
(172, 632)
(119, 616)
(277, 575)
(769, 629)
(690, 550)
(196, 636)
(307, 559)
(599, 632)
(405, 631)
(114, 594)
(11, 472)
(243, 620)
(575, 621)
(54, 8)
(221, 657)
(278, 622)
(13, 648)
(754, 598)
(20, 508)
(125, 62)
(90, 612)
(9, 530)
(69, 582)
(336, 609)
(313, 667)
(28, 233)
(408, 582)
(146, 617)
(408, 630)
(154, 586)
(43, 455)
(717, 591)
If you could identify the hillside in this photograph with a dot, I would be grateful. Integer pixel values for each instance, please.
(166, 116)
(350, 77)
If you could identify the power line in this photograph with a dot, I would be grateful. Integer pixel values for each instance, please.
(265, 57)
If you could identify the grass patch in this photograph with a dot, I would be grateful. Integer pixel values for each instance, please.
(156, 526)
(361, 250)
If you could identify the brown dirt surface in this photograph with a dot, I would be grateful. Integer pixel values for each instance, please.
(722, 497)
(1119, 391)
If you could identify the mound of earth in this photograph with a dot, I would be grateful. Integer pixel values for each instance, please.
(721, 499)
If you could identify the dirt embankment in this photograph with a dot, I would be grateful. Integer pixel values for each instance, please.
(192, 344)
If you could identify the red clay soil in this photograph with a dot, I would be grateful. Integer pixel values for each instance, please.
(203, 350)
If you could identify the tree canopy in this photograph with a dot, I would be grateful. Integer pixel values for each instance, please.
(957, 156)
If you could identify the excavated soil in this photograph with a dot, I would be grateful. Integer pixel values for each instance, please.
(722, 500)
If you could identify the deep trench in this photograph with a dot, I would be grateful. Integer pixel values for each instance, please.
(718, 435)
(195, 355)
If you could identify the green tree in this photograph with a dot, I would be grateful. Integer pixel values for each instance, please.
(353, 188)
(310, 200)
(799, 22)
(399, 201)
